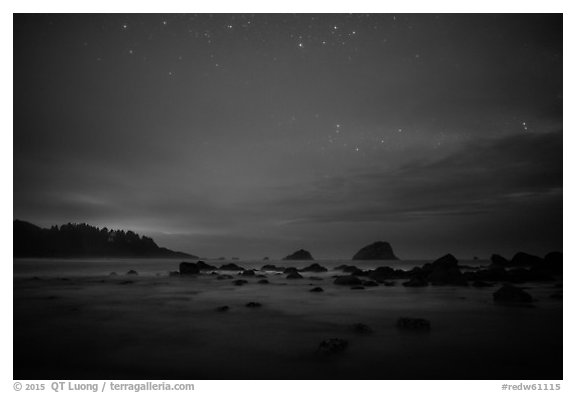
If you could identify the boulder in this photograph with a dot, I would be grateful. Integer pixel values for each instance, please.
(413, 324)
(523, 259)
(511, 294)
(498, 260)
(348, 280)
(231, 266)
(361, 328)
(300, 255)
(375, 251)
(315, 268)
(204, 266)
(187, 268)
(332, 346)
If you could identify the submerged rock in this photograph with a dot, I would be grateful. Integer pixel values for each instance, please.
(347, 280)
(361, 328)
(376, 251)
(511, 294)
(416, 282)
(413, 324)
(332, 346)
(300, 255)
(316, 268)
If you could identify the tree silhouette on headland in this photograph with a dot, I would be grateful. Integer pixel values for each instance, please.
(83, 240)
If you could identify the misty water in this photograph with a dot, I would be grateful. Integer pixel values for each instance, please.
(73, 320)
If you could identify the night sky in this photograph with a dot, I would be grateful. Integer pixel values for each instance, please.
(256, 135)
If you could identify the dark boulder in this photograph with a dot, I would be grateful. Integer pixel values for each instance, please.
(511, 294)
(523, 259)
(300, 255)
(375, 251)
(348, 280)
(204, 266)
(418, 324)
(445, 262)
(231, 266)
(294, 276)
(315, 268)
(332, 346)
(187, 268)
(316, 289)
(498, 260)
(361, 328)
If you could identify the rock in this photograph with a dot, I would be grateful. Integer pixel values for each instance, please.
(294, 276)
(187, 268)
(348, 280)
(253, 305)
(361, 328)
(416, 282)
(316, 268)
(481, 284)
(316, 289)
(131, 273)
(300, 255)
(222, 308)
(511, 294)
(413, 324)
(375, 251)
(358, 287)
(523, 259)
(554, 262)
(498, 260)
(272, 268)
(248, 273)
(332, 346)
(445, 262)
(263, 281)
(204, 266)
(240, 282)
(231, 266)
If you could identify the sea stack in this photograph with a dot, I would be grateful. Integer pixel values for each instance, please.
(300, 255)
(376, 251)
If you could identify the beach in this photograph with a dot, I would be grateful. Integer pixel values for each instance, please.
(153, 326)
